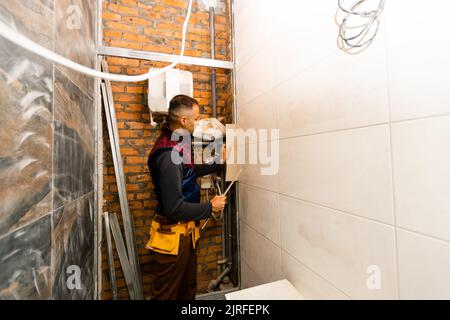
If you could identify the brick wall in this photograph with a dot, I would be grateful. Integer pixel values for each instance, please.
(156, 26)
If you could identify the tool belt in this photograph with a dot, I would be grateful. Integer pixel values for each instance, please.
(165, 235)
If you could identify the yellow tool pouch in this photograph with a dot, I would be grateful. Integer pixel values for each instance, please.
(166, 239)
(163, 241)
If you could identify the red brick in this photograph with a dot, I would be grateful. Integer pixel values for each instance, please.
(156, 26)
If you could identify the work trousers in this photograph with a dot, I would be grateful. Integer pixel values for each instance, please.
(174, 277)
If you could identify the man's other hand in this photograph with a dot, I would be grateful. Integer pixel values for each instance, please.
(218, 203)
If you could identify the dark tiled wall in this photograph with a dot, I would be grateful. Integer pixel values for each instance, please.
(47, 153)
(74, 155)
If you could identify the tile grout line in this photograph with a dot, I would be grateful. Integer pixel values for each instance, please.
(70, 202)
(64, 70)
(342, 130)
(391, 150)
(25, 225)
(248, 266)
(72, 81)
(29, 223)
(447, 241)
(317, 274)
(284, 81)
(68, 77)
(283, 250)
(339, 130)
(324, 206)
(415, 119)
(280, 216)
(429, 236)
(245, 260)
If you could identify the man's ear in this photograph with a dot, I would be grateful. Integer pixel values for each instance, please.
(183, 121)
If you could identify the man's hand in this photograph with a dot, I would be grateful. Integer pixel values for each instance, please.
(218, 203)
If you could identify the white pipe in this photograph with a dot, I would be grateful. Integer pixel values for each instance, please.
(27, 44)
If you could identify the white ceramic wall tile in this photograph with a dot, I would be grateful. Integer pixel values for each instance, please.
(421, 155)
(239, 5)
(423, 266)
(289, 77)
(260, 113)
(341, 92)
(419, 57)
(255, 77)
(249, 278)
(310, 285)
(242, 237)
(304, 32)
(340, 247)
(253, 28)
(346, 170)
(252, 176)
(268, 265)
(260, 210)
(261, 172)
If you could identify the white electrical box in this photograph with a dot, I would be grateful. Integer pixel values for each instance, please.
(163, 88)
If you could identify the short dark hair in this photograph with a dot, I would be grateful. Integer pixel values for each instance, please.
(178, 104)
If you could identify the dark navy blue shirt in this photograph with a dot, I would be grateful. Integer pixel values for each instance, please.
(171, 202)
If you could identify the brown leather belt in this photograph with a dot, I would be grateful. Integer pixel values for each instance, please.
(170, 222)
(165, 221)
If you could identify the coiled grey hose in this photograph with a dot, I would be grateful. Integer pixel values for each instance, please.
(356, 37)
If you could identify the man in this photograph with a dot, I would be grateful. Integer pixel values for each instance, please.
(175, 229)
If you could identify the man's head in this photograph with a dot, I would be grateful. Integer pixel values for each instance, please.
(183, 112)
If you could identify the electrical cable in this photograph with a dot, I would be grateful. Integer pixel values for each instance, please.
(220, 216)
(29, 45)
(356, 38)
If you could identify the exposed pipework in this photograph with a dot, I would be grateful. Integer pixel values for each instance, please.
(212, 28)
(226, 220)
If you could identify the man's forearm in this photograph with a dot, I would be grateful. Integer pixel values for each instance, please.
(206, 169)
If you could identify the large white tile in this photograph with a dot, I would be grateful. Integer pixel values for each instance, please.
(260, 113)
(258, 171)
(261, 254)
(421, 156)
(310, 285)
(253, 26)
(419, 57)
(260, 209)
(255, 77)
(343, 91)
(423, 267)
(252, 175)
(249, 278)
(346, 170)
(340, 247)
(304, 32)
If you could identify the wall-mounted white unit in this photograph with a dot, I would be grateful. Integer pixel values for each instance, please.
(163, 88)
